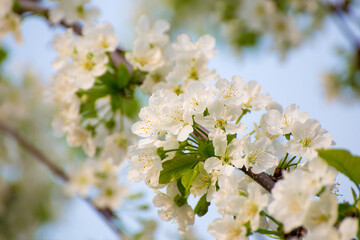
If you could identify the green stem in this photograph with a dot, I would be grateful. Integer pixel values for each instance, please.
(273, 219)
(193, 137)
(265, 231)
(281, 163)
(289, 162)
(179, 149)
(298, 162)
(194, 141)
(245, 111)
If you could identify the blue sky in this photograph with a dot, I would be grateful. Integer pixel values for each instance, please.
(295, 80)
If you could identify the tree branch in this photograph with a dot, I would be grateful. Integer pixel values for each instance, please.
(263, 179)
(28, 6)
(106, 214)
(34, 152)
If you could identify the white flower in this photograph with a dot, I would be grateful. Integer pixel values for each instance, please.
(81, 181)
(77, 136)
(251, 206)
(320, 174)
(222, 117)
(101, 35)
(65, 45)
(228, 194)
(226, 154)
(347, 230)
(183, 215)
(104, 170)
(9, 21)
(196, 100)
(204, 183)
(185, 47)
(116, 145)
(307, 6)
(148, 49)
(308, 137)
(191, 60)
(146, 165)
(320, 212)
(324, 232)
(227, 228)
(72, 11)
(155, 80)
(285, 32)
(233, 92)
(165, 113)
(275, 122)
(111, 195)
(257, 13)
(292, 198)
(259, 156)
(256, 99)
(87, 64)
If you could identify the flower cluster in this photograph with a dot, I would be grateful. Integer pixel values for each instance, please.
(170, 65)
(86, 112)
(102, 176)
(9, 21)
(195, 144)
(80, 61)
(202, 129)
(72, 11)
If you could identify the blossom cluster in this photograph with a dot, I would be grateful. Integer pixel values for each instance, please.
(9, 21)
(101, 177)
(194, 143)
(170, 65)
(73, 11)
(80, 62)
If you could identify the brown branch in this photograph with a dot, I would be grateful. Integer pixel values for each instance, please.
(106, 214)
(28, 6)
(34, 152)
(263, 179)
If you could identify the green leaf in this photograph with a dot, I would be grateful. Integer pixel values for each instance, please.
(180, 200)
(206, 112)
(176, 167)
(130, 107)
(107, 79)
(344, 162)
(189, 177)
(354, 195)
(181, 188)
(230, 137)
(202, 206)
(116, 102)
(206, 149)
(137, 77)
(346, 210)
(123, 77)
(3, 55)
(287, 136)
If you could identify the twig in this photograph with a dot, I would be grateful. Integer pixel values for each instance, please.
(263, 179)
(28, 6)
(106, 214)
(34, 152)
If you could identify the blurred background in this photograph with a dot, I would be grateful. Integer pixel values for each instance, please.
(32, 204)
